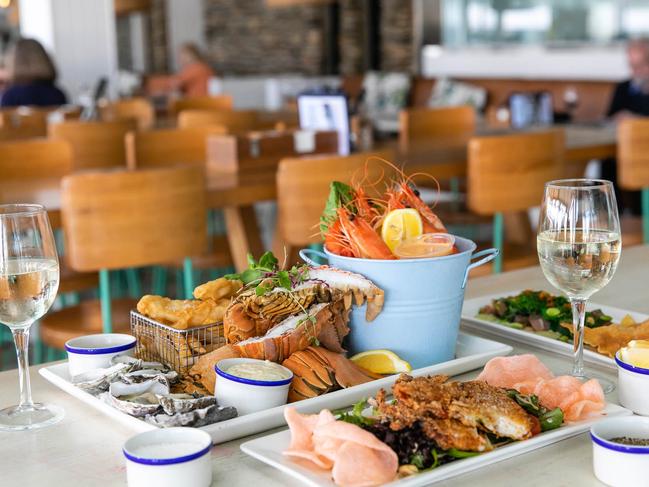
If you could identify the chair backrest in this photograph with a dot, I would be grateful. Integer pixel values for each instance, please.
(120, 219)
(508, 172)
(220, 102)
(34, 158)
(303, 186)
(139, 109)
(633, 154)
(23, 123)
(94, 144)
(165, 147)
(233, 120)
(421, 125)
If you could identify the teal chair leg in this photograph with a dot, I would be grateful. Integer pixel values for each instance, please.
(133, 283)
(159, 280)
(104, 298)
(188, 278)
(498, 240)
(645, 215)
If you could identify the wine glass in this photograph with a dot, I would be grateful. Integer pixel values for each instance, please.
(29, 279)
(579, 246)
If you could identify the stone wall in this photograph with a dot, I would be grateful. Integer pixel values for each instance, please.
(247, 37)
(396, 31)
(350, 38)
(158, 51)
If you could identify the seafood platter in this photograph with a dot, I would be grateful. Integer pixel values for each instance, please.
(316, 336)
(433, 428)
(544, 320)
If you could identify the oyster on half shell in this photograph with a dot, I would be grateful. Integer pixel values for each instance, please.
(196, 418)
(97, 381)
(138, 399)
(183, 403)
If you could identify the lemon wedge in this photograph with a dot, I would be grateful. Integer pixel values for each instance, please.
(400, 225)
(381, 362)
(636, 353)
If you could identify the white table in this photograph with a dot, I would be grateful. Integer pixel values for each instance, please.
(85, 448)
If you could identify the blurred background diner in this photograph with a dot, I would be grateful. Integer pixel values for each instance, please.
(273, 99)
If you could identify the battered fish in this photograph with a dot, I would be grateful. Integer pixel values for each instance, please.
(455, 414)
(181, 313)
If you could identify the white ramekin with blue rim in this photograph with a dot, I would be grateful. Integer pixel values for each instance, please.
(169, 457)
(91, 352)
(632, 386)
(616, 464)
(249, 395)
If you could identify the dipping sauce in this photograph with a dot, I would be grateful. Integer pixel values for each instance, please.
(263, 371)
(625, 440)
(636, 353)
(426, 245)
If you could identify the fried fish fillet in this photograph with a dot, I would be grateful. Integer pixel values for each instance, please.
(608, 339)
(182, 313)
(218, 289)
(455, 414)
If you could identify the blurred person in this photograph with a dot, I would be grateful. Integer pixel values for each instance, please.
(32, 77)
(195, 72)
(631, 97)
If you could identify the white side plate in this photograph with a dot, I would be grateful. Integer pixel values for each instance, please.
(472, 353)
(471, 323)
(268, 449)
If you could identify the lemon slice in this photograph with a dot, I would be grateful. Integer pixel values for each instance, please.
(381, 362)
(400, 225)
(636, 353)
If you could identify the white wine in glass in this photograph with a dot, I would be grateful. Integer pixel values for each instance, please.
(29, 280)
(579, 246)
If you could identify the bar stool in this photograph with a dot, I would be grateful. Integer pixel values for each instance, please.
(123, 219)
(507, 173)
(138, 108)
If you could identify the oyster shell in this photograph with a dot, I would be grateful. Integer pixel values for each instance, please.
(138, 399)
(142, 375)
(196, 418)
(98, 380)
(183, 403)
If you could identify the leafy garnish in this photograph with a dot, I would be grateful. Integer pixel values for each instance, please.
(549, 418)
(455, 453)
(355, 415)
(340, 194)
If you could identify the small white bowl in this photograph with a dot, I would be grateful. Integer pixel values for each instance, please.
(619, 465)
(248, 395)
(632, 386)
(169, 457)
(91, 352)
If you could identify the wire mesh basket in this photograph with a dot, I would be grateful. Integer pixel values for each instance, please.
(179, 349)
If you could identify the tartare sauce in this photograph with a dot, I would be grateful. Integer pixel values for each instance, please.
(265, 371)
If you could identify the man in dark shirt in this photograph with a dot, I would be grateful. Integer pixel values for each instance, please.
(630, 99)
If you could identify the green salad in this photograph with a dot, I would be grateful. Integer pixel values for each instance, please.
(539, 312)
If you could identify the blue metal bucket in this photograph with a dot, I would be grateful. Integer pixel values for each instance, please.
(423, 302)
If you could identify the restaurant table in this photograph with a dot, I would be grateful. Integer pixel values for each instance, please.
(236, 194)
(85, 448)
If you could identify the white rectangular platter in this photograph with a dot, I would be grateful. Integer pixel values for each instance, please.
(471, 323)
(471, 353)
(268, 449)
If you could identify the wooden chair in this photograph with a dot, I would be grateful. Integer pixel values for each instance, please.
(507, 174)
(25, 160)
(221, 102)
(139, 109)
(302, 190)
(94, 144)
(435, 125)
(23, 123)
(123, 219)
(233, 120)
(633, 167)
(165, 147)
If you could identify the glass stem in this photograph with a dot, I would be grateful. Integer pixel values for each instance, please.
(578, 316)
(21, 339)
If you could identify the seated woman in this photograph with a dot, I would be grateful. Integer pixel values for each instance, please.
(31, 77)
(194, 73)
